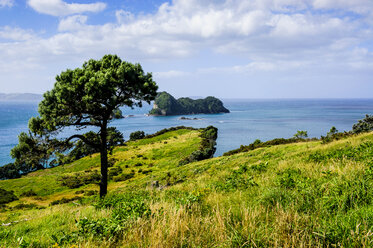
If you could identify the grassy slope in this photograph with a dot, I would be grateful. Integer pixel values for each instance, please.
(295, 195)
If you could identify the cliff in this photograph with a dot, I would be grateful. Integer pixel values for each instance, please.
(166, 104)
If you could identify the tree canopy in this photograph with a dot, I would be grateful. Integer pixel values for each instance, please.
(89, 96)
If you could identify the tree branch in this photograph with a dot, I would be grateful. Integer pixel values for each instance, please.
(84, 139)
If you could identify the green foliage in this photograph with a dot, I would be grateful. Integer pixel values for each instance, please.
(25, 206)
(29, 193)
(185, 199)
(301, 134)
(123, 177)
(82, 149)
(9, 171)
(364, 125)
(363, 152)
(288, 178)
(89, 96)
(64, 200)
(166, 104)
(207, 148)
(258, 144)
(333, 134)
(78, 179)
(137, 135)
(114, 171)
(7, 196)
(117, 114)
(31, 153)
(236, 180)
(125, 209)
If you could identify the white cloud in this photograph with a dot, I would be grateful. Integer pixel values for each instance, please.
(15, 34)
(6, 3)
(61, 8)
(170, 74)
(266, 35)
(72, 23)
(124, 16)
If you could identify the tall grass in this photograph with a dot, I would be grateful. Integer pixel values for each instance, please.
(294, 195)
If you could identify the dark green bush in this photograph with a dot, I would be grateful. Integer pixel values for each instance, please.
(114, 171)
(137, 135)
(28, 193)
(77, 180)
(207, 148)
(7, 196)
(27, 206)
(123, 177)
(364, 125)
(65, 200)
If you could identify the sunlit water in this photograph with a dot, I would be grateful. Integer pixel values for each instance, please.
(248, 120)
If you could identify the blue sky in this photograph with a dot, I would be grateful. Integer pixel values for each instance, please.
(225, 48)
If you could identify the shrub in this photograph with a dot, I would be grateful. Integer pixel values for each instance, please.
(301, 134)
(137, 135)
(28, 193)
(77, 180)
(123, 177)
(65, 200)
(27, 206)
(207, 148)
(258, 144)
(114, 171)
(364, 125)
(7, 196)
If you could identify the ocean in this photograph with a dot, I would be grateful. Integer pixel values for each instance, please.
(249, 120)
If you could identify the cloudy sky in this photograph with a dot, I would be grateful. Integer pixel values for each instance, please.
(226, 48)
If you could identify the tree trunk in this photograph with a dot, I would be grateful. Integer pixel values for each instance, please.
(104, 160)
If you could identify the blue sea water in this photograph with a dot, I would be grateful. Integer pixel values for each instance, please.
(248, 120)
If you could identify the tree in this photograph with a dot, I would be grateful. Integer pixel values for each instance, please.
(364, 125)
(82, 149)
(301, 134)
(332, 131)
(36, 148)
(89, 96)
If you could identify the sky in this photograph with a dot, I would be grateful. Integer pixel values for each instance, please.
(224, 48)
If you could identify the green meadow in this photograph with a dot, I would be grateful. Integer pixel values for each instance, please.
(304, 194)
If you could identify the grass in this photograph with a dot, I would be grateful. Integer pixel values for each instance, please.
(294, 195)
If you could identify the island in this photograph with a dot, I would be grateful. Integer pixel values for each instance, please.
(165, 104)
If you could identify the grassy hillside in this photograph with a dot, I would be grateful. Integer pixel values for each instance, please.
(296, 195)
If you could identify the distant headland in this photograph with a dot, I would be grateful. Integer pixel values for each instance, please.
(166, 104)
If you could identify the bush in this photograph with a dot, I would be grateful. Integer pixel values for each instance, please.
(123, 177)
(301, 134)
(7, 196)
(137, 135)
(65, 200)
(28, 193)
(207, 148)
(364, 125)
(77, 180)
(114, 171)
(27, 206)
(258, 144)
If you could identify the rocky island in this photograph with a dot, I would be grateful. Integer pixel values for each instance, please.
(166, 104)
